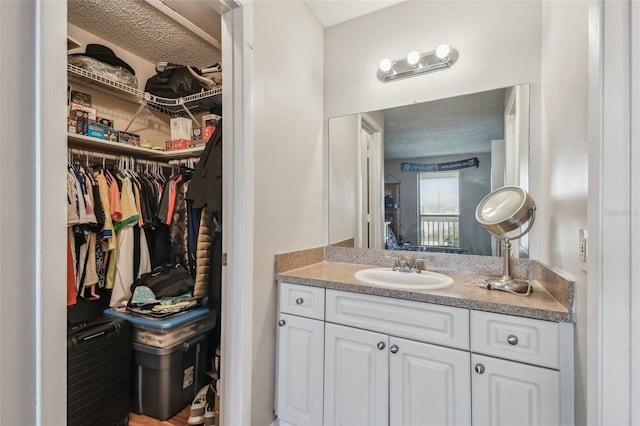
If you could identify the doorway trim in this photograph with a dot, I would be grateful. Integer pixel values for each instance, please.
(372, 180)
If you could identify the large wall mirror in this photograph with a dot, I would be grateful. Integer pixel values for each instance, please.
(410, 177)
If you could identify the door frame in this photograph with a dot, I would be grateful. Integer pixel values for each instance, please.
(372, 180)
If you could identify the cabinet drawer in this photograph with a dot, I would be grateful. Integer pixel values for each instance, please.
(520, 339)
(302, 300)
(441, 325)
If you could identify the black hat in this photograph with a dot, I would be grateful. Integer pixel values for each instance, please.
(106, 55)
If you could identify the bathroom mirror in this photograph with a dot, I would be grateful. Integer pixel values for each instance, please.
(410, 177)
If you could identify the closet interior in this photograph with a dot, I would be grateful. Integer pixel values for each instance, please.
(144, 202)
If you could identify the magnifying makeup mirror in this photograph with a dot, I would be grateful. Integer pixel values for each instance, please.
(504, 210)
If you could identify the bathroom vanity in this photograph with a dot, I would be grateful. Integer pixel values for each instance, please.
(353, 353)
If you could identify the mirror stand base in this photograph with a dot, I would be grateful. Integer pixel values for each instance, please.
(510, 285)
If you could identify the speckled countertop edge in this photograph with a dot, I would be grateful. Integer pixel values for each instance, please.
(333, 268)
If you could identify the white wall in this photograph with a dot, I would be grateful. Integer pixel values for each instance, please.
(32, 216)
(288, 166)
(562, 190)
(499, 45)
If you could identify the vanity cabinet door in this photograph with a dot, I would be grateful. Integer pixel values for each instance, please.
(428, 384)
(509, 393)
(356, 380)
(300, 367)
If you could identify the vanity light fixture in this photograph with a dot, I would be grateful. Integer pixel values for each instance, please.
(385, 65)
(413, 58)
(417, 63)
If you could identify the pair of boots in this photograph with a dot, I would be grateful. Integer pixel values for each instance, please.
(202, 409)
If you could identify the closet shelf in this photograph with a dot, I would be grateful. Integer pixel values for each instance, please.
(201, 102)
(98, 145)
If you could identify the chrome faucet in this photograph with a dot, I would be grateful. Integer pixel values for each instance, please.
(410, 265)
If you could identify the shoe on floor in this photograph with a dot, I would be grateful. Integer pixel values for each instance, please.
(198, 406)
(209, 415)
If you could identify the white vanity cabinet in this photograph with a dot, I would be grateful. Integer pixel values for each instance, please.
(521, 375)
(510, 393)
(380, 371)
(376, 379)
(356, 359)
(428, 384)
(356, 377)
(300, 356)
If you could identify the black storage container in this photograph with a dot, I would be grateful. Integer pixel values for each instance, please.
(99, 358)
(165, 380)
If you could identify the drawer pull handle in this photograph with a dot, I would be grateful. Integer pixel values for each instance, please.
(281, 323)
(512, 340)
(479, 368)
(299, 301)
(381, 345)
(393, 349)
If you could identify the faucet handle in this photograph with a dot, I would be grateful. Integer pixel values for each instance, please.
(398, 262)
(418, 266)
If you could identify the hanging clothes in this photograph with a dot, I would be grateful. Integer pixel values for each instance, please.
(119, 231)
(205, 191)
(71, 276)
(83, 225)
(125, 271)
(179, 229)
(205, 188)
(203, 255)
(108, 240)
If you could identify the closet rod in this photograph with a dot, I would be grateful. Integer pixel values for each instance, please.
(181, 161)
(94, 155)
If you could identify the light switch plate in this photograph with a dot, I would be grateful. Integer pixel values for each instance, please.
(583, 249)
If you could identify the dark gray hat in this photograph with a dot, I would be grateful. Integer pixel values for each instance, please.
(106, 55)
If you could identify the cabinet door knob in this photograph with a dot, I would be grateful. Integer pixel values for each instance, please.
(281, 323)
(479, 368)
(299, 301)
(393, 349)
(512, 340)
(381, 345)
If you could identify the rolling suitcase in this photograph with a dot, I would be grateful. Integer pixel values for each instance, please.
(99, 359)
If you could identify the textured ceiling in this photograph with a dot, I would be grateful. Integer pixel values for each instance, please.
(141, 29)
(461, 125)
(332, 12)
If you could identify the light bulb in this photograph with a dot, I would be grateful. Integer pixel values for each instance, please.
(413, 58)
(385, 65)
(443, 52)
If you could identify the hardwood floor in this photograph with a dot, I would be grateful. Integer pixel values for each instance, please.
(179, 419)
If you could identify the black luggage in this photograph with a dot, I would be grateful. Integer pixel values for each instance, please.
(99, 360)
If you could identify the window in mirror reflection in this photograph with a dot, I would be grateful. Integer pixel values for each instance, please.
(439, 201)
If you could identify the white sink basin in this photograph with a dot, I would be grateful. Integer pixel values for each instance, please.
(387, 277)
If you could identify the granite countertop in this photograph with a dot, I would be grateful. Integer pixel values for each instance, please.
(540, 304)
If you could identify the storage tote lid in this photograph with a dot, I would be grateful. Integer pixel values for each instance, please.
(165, 323)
